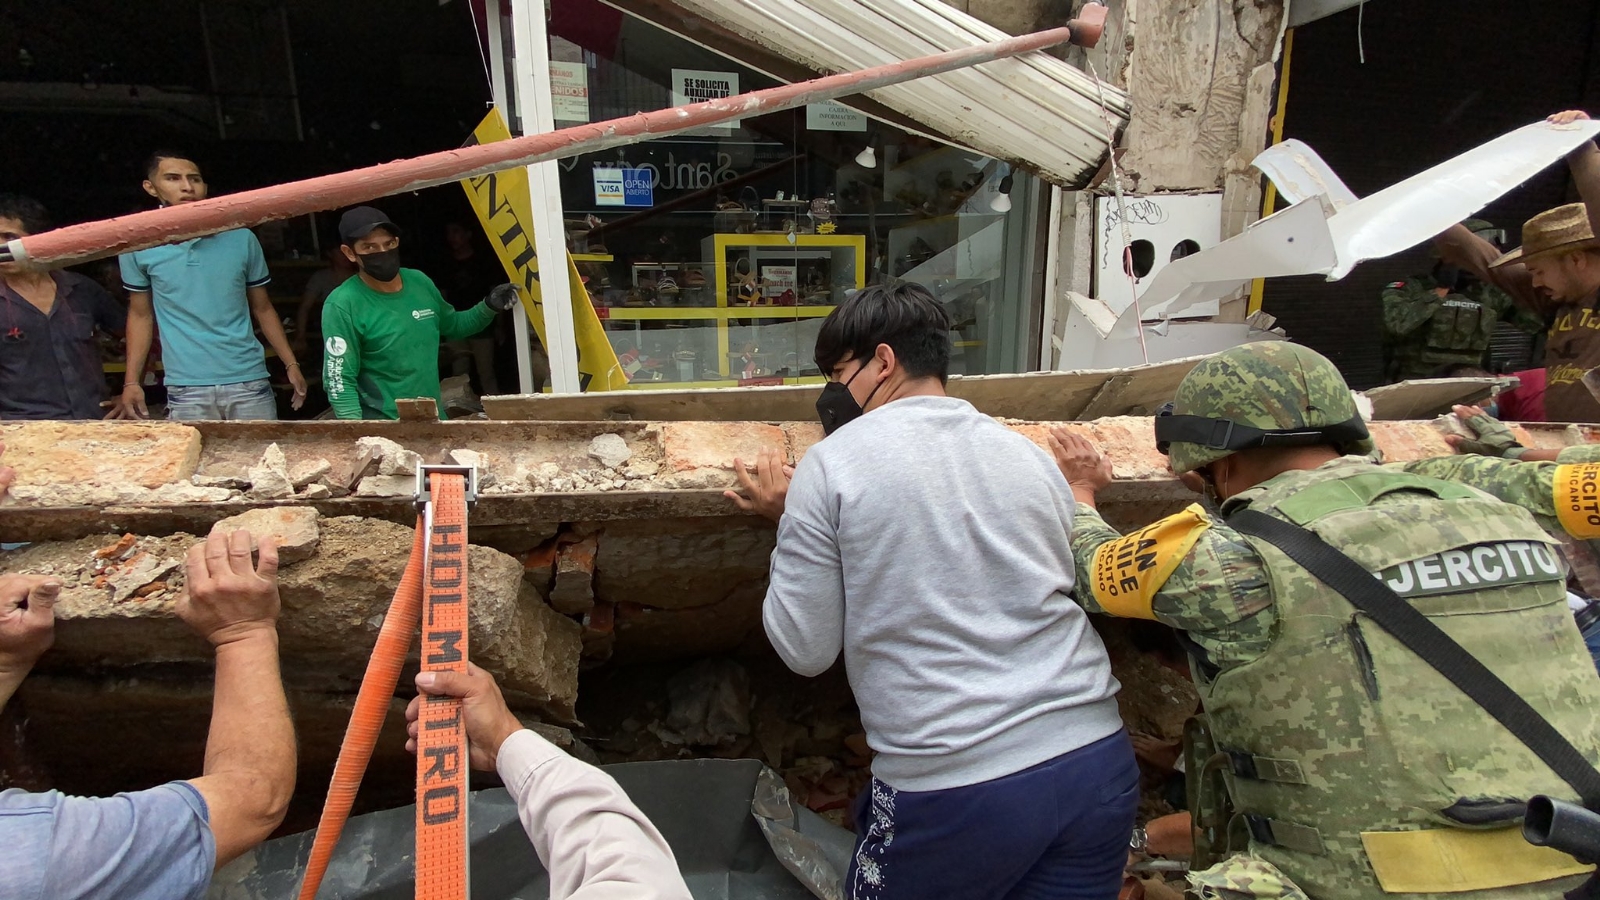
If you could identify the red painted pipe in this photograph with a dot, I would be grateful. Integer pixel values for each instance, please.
(96, 240)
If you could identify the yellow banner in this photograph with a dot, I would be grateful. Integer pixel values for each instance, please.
(502, 202)
(1577, 498)
(1130, 571)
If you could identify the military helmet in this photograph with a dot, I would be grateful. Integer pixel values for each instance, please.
(1486, 230)
(1261, 394)
(1482, 228)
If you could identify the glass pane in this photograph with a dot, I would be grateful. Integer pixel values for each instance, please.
(713, 257)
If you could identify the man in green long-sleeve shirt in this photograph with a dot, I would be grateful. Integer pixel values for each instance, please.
(382, 328)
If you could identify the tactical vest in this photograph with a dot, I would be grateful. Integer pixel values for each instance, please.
(1338, 734)
(1460, 330)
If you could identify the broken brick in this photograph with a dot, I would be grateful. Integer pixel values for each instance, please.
(599, 634)
(573, 592)
(116, 550)
(539, 567)
(137, 573)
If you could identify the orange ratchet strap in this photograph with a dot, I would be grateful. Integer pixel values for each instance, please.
(432, 591)
(441, 733)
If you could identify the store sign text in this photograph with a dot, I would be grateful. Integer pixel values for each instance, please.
(831, 116)
(569, 91)
(698, 85)
(688, 176)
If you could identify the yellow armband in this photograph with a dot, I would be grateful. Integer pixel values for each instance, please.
(1128, 572)
(1577, 498)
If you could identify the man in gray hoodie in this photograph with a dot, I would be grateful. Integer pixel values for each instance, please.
(929, 544)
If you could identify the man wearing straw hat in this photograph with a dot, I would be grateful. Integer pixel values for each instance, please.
(1556, 273)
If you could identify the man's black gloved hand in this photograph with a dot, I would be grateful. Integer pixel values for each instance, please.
(1494, 438)
(502, 297)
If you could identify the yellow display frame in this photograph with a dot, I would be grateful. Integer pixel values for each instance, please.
(722, 312)
(720, 243)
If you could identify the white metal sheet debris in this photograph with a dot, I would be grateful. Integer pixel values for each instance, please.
(1034, 110)
(1318, 236)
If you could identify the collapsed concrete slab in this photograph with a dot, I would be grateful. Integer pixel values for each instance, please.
(140, 454)
(334, 601)
(569, 571)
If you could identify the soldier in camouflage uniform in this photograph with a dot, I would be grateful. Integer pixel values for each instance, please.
(1355, 768)
(1445, 318)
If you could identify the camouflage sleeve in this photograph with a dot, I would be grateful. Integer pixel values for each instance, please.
(1563, 496)
(1188, 571)
(1507, 310)
(1405, 309)
(1579, 453)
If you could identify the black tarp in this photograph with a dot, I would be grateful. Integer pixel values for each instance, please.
(730, 823)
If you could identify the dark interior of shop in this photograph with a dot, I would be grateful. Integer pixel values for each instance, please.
(1387, 91)
(266, 91)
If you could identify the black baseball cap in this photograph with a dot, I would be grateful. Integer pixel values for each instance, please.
(358, 222)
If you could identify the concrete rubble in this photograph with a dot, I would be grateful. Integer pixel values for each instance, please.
(629, 568)
(269, 479)
(336, 577)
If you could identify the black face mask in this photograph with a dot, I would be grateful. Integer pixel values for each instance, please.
(837, 406)
(381, 266)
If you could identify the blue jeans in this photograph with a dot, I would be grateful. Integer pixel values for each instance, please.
(1591, 639)
(1057, 831)
(222, 402)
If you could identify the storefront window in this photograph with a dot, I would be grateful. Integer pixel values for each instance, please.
(712, 258)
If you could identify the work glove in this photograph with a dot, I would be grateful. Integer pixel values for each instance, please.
(1493, 437)
(502, 297)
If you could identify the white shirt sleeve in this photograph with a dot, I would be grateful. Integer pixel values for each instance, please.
(592, 839)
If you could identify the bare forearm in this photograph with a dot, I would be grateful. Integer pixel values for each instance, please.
(250, 726)
(141, 331)
(271, 329)
(1585, 165)
(250, 750)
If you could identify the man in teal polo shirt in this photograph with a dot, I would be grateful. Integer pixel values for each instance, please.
(203, 293)
(381, 329)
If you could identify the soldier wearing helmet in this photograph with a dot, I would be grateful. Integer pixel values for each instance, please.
(1447, 317)
(1355, 769)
